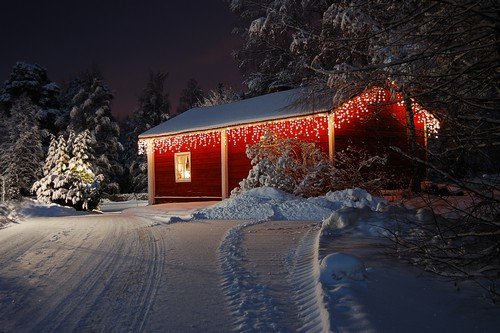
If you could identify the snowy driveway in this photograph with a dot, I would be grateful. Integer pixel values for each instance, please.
(136, 272)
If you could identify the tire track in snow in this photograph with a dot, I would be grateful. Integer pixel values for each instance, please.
(264, 291)
(153, 278)
(245, 299)
(131, 284)
(67, 314)
(305, 279)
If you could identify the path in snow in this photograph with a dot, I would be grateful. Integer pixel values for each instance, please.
(270, 284)
(115, 272)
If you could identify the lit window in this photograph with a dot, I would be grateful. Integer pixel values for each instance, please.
(182, 167)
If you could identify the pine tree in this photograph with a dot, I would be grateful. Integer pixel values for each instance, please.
(91, 111)
(154, 108)
(190, 96)
(22, 157)
(68, 177)
(32, 81)
(84, 191)
(53, 186)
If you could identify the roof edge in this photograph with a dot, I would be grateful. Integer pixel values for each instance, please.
(215, 128)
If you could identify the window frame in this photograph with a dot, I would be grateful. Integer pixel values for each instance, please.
(183, 180)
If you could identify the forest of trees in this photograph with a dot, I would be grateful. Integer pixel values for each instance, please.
(36, 115)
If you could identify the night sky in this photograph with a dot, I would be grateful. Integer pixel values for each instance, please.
(125, 39)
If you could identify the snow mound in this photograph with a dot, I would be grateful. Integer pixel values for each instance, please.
(16, 211)
(31, 208)
(337, 266)
(345, 217)
(355, 197)
(268, 203)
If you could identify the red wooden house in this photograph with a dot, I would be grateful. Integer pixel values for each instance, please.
(200, 154)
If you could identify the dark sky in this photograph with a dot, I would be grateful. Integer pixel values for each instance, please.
(125, 39)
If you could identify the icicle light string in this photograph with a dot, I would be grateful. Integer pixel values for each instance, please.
(357, 108)
(309, 127)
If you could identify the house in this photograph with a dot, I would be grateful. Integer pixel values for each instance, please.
(200, 154)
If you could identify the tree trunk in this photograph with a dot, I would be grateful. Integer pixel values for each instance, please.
(415, 178)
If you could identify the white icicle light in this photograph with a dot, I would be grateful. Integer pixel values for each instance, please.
(307, 126)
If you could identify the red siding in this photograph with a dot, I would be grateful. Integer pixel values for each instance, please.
(205, 173)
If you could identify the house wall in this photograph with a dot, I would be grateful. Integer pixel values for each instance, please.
(205, 174)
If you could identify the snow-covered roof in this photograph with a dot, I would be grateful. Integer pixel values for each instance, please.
(284, 104)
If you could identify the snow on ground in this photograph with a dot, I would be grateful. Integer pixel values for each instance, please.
(140, 271)
(366, 289)
(267, 203)
(361, 286)
(16, 211)
(108, 206)
(113, 272)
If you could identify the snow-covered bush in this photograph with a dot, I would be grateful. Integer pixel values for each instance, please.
(337, 266)
(279, 162)
(68, 179)
(299, 167)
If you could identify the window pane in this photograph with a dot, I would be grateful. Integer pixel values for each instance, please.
(183, 166)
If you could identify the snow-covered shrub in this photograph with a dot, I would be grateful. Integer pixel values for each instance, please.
(299, 167)
(337, 266)
(279, 162)
(68, 179)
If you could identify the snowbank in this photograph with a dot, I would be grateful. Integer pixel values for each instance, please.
(337, 266)
(15, 211)
(267, 203)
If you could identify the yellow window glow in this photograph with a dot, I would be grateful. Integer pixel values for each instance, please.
(182, 167)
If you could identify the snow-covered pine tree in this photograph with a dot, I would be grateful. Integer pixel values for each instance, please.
(91, 111)
(22, 152)
(53, 186)
(68, 177)
(32, 81)
(190, 96)
(84, 191)
(154, 108)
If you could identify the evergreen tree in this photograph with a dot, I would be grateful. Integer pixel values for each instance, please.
(190, 96)
(53, 186)
(22, 157)
(84, 191)
(154, 108)
(68, 177)
(91, 111)
(32, 81)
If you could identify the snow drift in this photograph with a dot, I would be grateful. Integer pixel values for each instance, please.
(267, 203)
